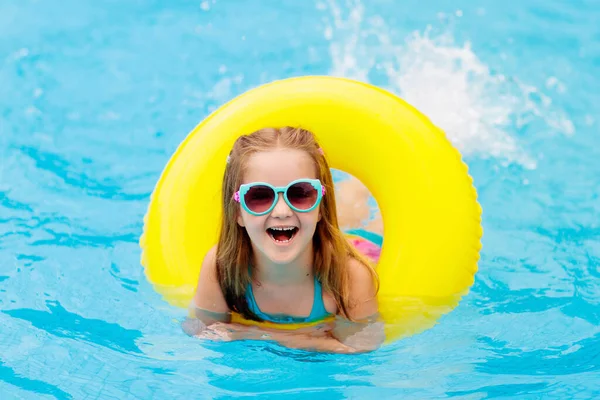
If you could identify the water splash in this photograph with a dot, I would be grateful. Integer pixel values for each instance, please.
(477, 108)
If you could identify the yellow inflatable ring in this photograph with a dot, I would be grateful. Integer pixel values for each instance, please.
(432, 221)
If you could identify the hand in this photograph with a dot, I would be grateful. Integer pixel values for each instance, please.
(217, 331)
(316, 340)
(361, 336)
(311, 342)
(230, 332)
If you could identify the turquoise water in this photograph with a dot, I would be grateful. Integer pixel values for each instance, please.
(95, 97)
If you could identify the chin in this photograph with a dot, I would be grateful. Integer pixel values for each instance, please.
(287, 253)
(282, 259)
(280, 255)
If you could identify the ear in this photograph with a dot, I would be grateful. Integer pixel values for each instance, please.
(240, 221)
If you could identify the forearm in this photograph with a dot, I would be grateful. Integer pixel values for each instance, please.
(290, 339)
(294, 340)
(199, 320)
(326, 344)
(362, 336)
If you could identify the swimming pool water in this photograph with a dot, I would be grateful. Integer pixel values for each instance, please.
(95, 97)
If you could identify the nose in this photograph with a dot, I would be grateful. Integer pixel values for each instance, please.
(281, 210)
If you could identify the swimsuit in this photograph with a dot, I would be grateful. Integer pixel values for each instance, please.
(317, 313)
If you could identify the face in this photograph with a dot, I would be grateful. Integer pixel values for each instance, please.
(283, 235)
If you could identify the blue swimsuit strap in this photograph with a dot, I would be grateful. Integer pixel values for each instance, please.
(317, 313)
(318, 310)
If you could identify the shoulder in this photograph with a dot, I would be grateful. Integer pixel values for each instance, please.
(209, 265)
(208, 293)
(362, 287)
(210, 259)
(208, 270)
(360, 278)
(357, 269)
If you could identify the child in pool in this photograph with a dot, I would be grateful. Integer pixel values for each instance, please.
(281, 256)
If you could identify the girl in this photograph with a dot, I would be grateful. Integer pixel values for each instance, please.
(281, 256)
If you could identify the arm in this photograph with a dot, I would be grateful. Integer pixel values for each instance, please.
(208, 294)
(208, 305)
(208, 314)
(365, 332)
(326, 344)
(291, 339)
(311, 340)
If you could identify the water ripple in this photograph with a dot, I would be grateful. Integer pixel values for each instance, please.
(504, 391)
(8, 375)
(582, 356)
(6, 201)
(63, 169)
(62, 323)
(74, 240)
(493, 299)
(129, 284)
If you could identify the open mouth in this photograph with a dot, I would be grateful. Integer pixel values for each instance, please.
(282, 234)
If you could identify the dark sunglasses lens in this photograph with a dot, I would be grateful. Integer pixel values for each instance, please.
(302, 195)
(259, 198)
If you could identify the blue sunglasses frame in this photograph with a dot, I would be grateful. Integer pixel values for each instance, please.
(239, 196)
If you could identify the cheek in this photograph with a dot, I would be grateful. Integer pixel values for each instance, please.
(251, 223)
(311, 218)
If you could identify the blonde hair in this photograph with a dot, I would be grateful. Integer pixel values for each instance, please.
(234, 251)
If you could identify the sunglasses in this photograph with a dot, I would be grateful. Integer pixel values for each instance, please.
(259, 198)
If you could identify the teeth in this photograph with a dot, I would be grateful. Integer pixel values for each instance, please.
(281, 229)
